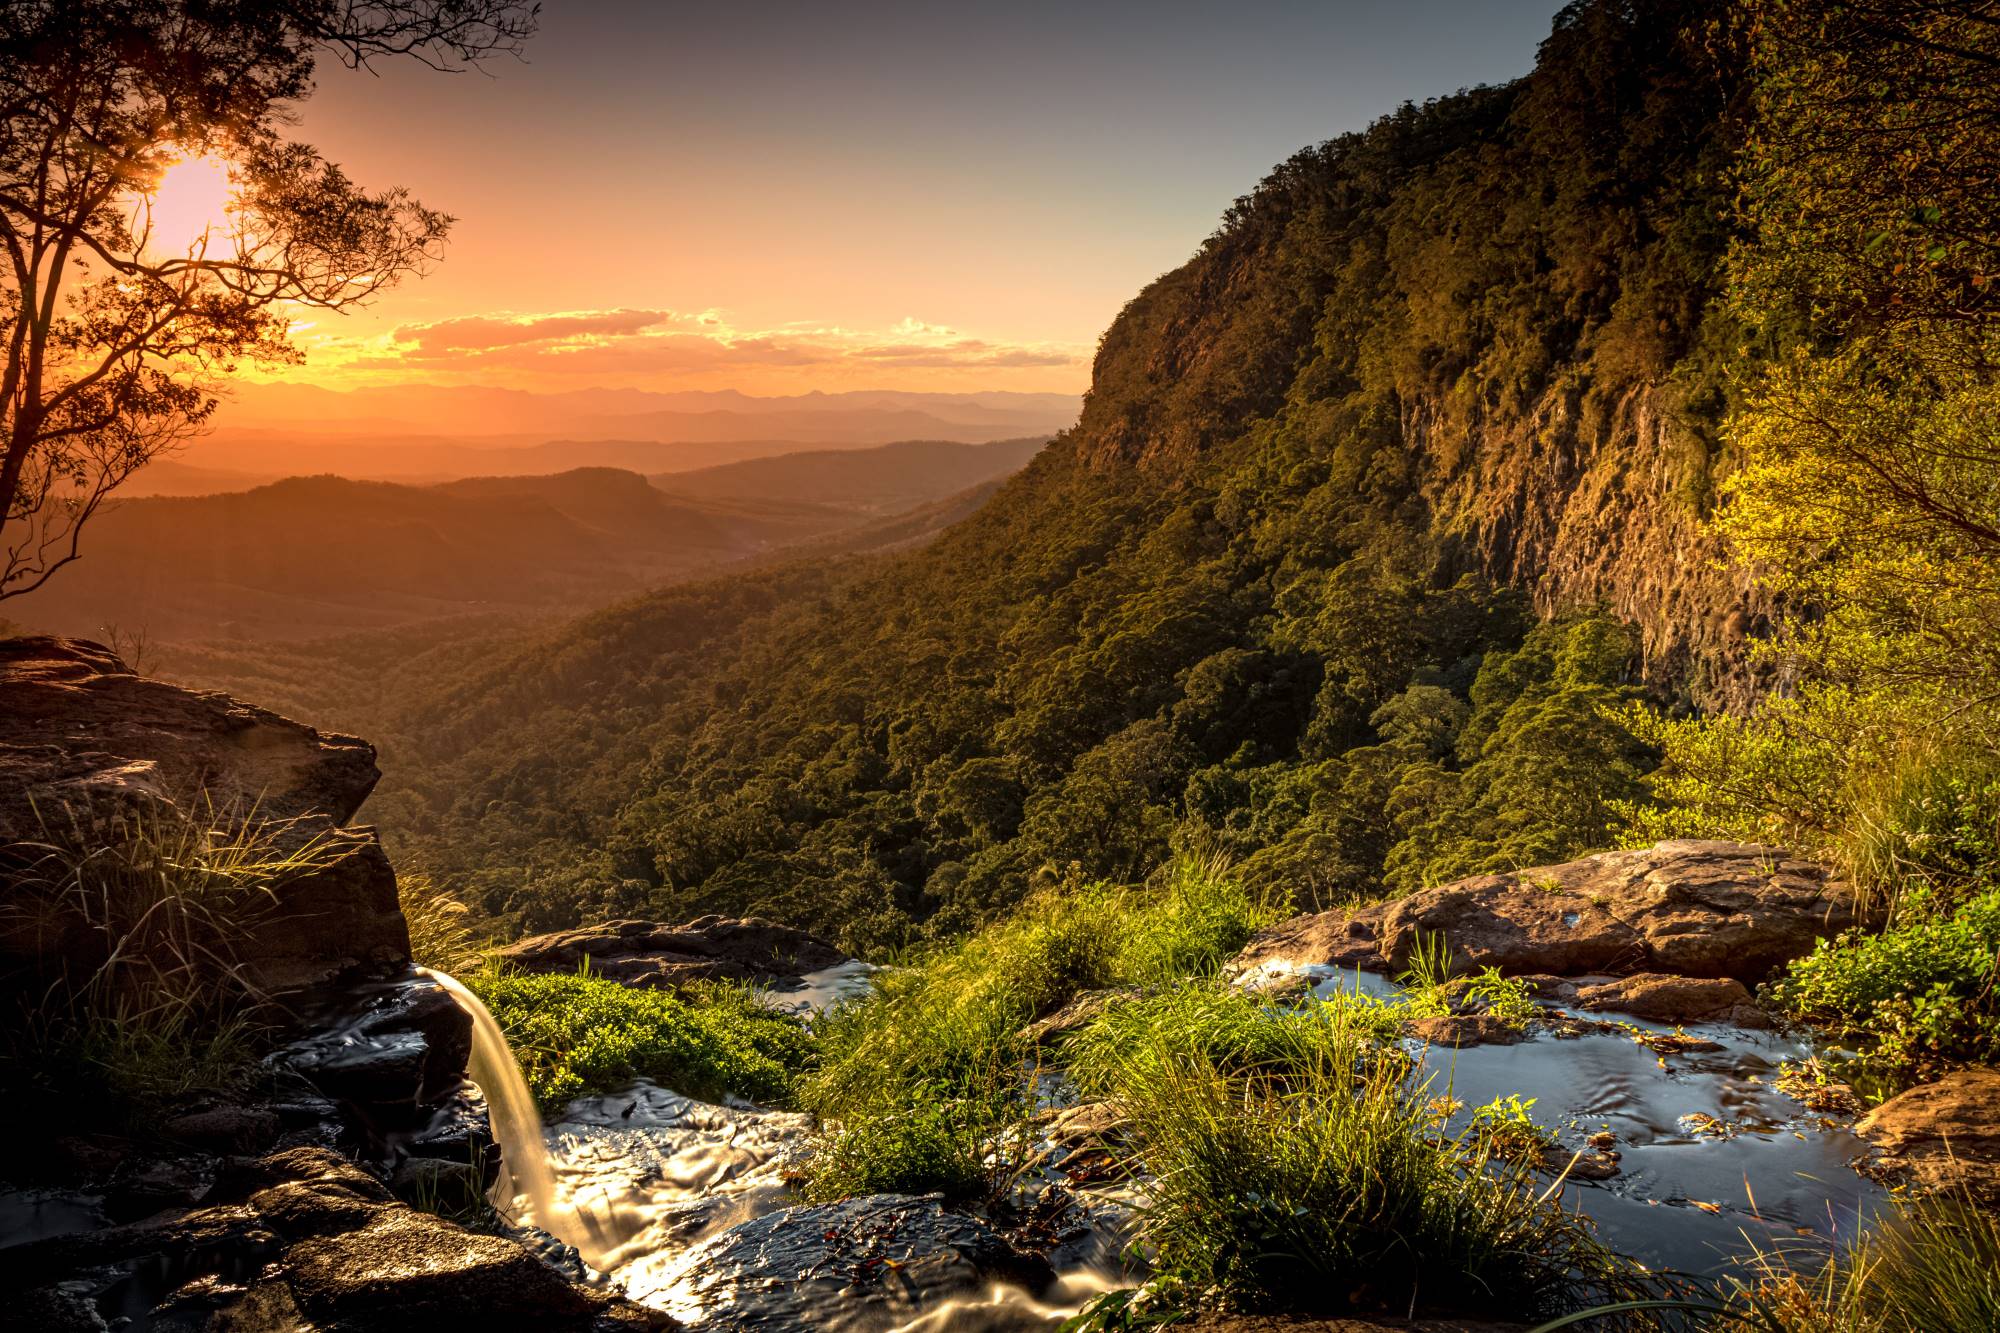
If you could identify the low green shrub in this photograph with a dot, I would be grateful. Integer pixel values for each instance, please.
(1919, 996)
(1323, 1183)
(936, 1149)
(578, 1034)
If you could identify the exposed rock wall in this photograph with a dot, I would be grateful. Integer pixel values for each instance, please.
(1584, 510)
(86, 743)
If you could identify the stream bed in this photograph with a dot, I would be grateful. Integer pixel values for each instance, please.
(692, 1213)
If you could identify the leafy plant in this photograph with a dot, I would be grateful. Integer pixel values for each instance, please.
(1508, 1130)
(1920, 996)
(578, 1034)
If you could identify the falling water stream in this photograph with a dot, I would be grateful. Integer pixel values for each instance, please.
(526, 1176)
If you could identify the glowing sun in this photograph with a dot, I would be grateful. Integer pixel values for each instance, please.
(193, 200)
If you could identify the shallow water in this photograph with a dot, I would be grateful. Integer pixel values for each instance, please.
(817, 992)
(1687, 1201)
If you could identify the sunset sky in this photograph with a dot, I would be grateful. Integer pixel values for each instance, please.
(782, 197)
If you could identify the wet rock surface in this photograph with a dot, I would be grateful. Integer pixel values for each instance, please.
(1279, 1323)
(866, 1263)
(84, 741)
(1942, 1136)
(652, 954)
(385, 1048)
(302, 1238)
(1687, 908)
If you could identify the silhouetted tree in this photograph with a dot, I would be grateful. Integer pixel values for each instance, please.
(113, 338)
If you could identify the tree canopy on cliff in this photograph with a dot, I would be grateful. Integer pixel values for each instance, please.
(115, 329)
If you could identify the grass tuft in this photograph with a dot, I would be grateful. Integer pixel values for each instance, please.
(144, 912)
(1296, 1167)
(936, 1149)
(1934, 1269)
(441, 930)
(944, 1030)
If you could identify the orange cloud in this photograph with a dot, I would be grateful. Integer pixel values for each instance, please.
(479, 332)
(643, 347)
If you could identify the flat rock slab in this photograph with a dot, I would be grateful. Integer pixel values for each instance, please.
(1686, 908)
(869, 1263)
(1662, 998)
(652, 954)
(1943, 1135)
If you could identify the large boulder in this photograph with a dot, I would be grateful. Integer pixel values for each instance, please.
(87, 745)
(1688, 908)
(650, 954)
(1943, 1135)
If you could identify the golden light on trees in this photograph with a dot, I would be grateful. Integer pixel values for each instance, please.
(191, 205)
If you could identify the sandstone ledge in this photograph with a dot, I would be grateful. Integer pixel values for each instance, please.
(1686, 908)
(86, 744)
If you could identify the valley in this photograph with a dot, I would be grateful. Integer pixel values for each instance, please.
(1454, 789)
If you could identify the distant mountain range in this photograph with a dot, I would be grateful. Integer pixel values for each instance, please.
(310, 556)
(420, 409)
(884, 480)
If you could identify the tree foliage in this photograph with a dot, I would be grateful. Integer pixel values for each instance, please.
(1866, 494)
(115, 334)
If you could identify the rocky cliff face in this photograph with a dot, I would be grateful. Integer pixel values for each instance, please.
(86, 743)
(1514, 290)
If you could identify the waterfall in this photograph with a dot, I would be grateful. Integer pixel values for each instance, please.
(525, 1171)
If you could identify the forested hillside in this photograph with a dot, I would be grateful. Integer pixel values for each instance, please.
(1375, 505)
(312, 556)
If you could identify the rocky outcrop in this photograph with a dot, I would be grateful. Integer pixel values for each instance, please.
(1942, 1136)
(88, 750)
(1662, 998)
(302, 1239)
(180, 1224)
(1685, 908)
(650, 954)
